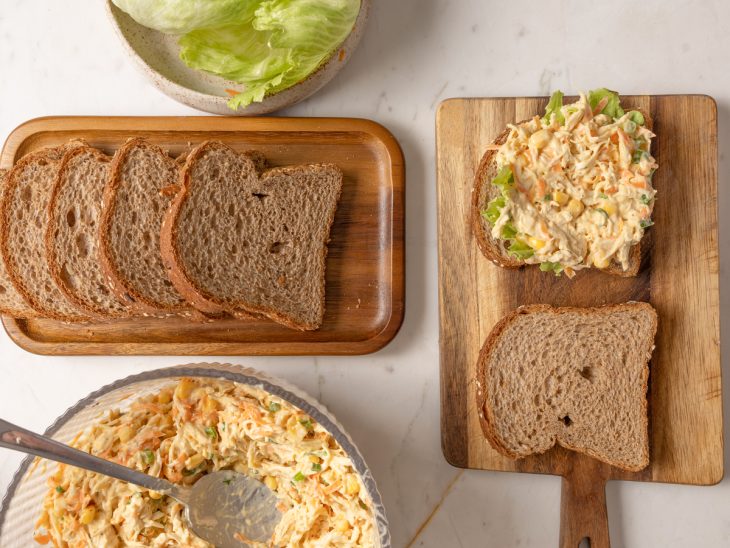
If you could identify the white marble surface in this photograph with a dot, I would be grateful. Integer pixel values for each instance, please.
(63, 58)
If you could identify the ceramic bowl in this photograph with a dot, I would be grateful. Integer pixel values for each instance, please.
(156, 54)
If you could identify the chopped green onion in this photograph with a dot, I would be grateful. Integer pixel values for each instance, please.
(637, 156)
(603, 196)
(602, 211)
(645, 199)
(211, 432)
(646, 223)
(307, 423)
(316, 467)
(60, 489)
(299, 477)
(362, 504)
(148, 457)
(548, 197)
(274, 407)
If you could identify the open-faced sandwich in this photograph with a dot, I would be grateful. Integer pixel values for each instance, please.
(570, 190)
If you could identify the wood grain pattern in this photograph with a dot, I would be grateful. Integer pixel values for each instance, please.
(679, 276)
(365, 295)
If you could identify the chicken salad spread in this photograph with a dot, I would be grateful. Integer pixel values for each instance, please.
(183, 432)
(575, 186)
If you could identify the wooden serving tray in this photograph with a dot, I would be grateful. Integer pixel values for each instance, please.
(679, 276)
(365, 264)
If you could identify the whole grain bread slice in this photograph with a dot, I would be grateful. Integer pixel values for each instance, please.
(12, 302)
(483, 191)
(142, 181)
(238, 240)
(72, 241)
(576, 377)
(22, 238)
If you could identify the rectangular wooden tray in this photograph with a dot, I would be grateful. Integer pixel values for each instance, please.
(365, 265)
(679, 276)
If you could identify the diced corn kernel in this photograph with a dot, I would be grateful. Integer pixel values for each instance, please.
(535, 243)
(352, 486)
(561, 197)
(125, 433)
(271, 483)
(155, 495)
(184, 389)
(209, 405)
(342, 525)
(164, 397)
(540, 139)
(315, 459)
(575, 207)
(609, 207)
(194, 461)
(600, 262)
(87, 515)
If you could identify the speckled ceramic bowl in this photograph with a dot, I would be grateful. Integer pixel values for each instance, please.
(22, 503)
(157, 56)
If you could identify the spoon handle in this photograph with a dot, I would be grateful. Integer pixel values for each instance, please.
(25, 441)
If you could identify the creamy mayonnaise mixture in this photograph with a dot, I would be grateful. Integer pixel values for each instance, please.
(183, 433)
(576, 187)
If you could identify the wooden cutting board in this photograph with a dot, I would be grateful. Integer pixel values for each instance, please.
(365, 285)
(679, 276)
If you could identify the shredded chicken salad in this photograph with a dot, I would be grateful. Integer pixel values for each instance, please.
(197, 427)
(575, 186)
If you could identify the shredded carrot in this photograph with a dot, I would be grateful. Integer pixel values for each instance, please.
(42, 539)
(232, 92)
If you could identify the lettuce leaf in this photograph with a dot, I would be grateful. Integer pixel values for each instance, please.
(181, 16)
(555, 268)
(520, 250)
(553, 107)
(494, 209)
(613, 104)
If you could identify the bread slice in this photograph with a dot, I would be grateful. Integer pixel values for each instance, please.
(238, 240)
(12, 302)
(72, 237)
(22, 238)
(577, 377)
(483, 191)
(142, 181)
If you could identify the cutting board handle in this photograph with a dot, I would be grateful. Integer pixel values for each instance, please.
(583, 511)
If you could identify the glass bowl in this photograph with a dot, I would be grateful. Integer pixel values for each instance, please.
(22, 503)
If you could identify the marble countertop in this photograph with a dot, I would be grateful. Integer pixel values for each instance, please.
(63, 58)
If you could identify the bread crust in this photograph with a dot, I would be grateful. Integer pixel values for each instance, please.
(486, 416)
(483, 191)
(53, 219)
(25, 312)
(123, 290)
(181, 279)
(54, 154)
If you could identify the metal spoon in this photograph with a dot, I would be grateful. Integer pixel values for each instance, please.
(224, 508)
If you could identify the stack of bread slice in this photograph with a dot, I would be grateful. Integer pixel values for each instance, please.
(211, 234)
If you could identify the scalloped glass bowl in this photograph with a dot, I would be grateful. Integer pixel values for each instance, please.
(22, 503)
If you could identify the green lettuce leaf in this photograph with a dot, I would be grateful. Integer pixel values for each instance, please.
(555, 268)
(613, 106)
(277, 45)
(520, 250)
(504, 179)
(553, 107)
(494, 209)
(637, 117)
(181, 16)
